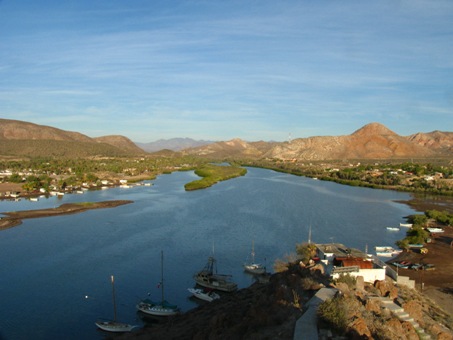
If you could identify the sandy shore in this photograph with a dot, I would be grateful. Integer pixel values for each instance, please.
(15, 218)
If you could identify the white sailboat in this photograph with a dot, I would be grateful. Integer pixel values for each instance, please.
(162, 308)
(113, 325)
(252, 267)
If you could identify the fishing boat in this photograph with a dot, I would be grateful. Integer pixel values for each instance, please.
(204, 294)
(113, 325)
(252, 267)
(162, 308)
(207, 278)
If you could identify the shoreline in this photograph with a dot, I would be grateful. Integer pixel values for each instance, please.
(14, 218)
(436, 284)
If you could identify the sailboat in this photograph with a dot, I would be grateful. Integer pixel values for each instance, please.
(113, 325)
(162, 308)
(252, 267)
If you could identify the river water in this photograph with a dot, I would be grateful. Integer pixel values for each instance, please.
(55, 271)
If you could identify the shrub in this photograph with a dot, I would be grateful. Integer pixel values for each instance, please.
(333, 312)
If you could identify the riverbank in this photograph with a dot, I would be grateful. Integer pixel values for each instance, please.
(14, 218)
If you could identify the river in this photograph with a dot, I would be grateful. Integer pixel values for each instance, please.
(55, 272)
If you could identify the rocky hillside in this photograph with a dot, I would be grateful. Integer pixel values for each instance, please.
(373, 141)
(436, 140)
(26, 139)
(269, 310)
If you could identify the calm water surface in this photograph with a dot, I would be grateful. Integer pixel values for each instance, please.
(49, 265)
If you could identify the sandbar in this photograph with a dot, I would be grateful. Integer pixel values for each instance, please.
(14, 218)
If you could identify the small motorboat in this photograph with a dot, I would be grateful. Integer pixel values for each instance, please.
(206, 295)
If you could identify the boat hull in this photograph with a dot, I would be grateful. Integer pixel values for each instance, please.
(113, 326)
(215, 283)
(206, 296)
(157, 310)
(254, 268)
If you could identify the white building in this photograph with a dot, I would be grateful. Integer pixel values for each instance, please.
(342, 260)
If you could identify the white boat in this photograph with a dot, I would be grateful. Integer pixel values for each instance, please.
(252, 267)
(387, 251)
(206, 295)
(435, 230)
(162, 308)
(406, 225)
(393, 228)
(113, 325)
(207, 278)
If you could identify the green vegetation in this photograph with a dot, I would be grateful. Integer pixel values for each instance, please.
(424, 176)
(306, 251)
(335, 312)
(60, 173)
(211, 174)
(417, 234)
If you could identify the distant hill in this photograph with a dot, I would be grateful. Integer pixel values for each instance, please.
(436, 140)
(174, 144)
(18, 138)
(373, 141)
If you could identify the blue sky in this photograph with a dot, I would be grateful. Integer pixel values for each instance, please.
(217, 70)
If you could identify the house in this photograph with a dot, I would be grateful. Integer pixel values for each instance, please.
(340, 259)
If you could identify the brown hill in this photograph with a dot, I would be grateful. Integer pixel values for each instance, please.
(373, 141)
(26, 139)
(436, 140)
(120, 142)
(19, 130)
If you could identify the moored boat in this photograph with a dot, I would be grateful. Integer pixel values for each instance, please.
(406, 225)
(162, 308)
(393, 228)
(113, 325)
(207, 278)
(387, 251)
(206, 295)
(253, 267)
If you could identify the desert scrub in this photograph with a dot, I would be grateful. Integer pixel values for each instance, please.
(211, 174)
(351, 281)
(339, 312)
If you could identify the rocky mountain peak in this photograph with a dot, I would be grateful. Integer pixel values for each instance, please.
(374, 129)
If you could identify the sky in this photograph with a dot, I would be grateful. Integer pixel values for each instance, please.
(218, 70)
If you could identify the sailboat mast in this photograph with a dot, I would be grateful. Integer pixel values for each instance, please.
(162, 273)
(113, 297)
(253, 252)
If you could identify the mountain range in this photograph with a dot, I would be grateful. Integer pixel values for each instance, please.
(372, 141)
